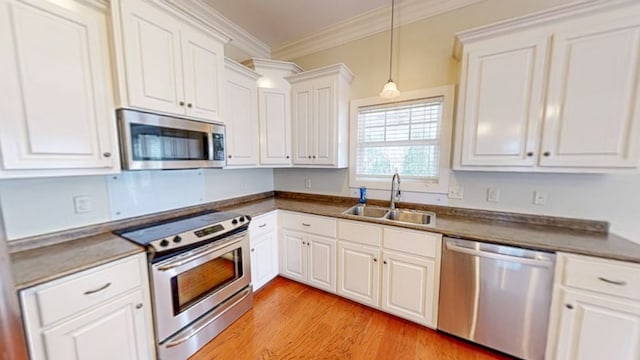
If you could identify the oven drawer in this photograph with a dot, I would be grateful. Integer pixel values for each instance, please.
(604, 276)
(311, 224)
(86, 289)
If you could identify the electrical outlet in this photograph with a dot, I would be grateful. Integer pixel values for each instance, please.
(307, 183)
(539, 198)
(456, 192)
(493, 195)
(82, 204)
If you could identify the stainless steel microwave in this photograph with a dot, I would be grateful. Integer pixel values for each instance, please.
(152, 141)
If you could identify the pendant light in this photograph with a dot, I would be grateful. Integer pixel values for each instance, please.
(390, 90)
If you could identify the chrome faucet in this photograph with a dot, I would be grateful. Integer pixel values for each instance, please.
(395, 190)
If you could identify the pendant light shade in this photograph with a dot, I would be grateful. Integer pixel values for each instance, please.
(390, 89)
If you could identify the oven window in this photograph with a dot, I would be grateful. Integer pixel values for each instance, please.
(191, 286)
(166, 144)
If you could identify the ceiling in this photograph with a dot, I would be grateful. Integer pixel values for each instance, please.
(276, 22)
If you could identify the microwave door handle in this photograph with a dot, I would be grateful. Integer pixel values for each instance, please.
(210, 147)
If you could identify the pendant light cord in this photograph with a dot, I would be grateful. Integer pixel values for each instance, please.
(391, 45)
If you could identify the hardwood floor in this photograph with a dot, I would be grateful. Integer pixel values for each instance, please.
(293, 321)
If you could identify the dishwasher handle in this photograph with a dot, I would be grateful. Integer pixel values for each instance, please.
(540, 262)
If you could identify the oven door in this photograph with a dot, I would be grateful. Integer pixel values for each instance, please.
(189, 285)
(152, 141)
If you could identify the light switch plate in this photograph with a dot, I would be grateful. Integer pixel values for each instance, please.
(456, 192)
(493, 195)
(539, 198)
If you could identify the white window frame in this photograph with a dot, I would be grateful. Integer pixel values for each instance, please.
(442, 185)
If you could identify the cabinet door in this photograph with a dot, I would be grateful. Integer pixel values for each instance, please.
(594, 327)
(241, 119)
(593, 103)
(203, 64)
(359, 273)
(153, 59)
(264, 261)
(275, 126)
(293, 263)
(408, 287)
(57, 104)
(501, 98)
(115, 330)
(324, 133)
(322, 263)
(302, 112)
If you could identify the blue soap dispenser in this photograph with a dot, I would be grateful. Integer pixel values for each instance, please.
(363, 195)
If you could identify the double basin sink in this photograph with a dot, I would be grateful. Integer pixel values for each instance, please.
(406, 216)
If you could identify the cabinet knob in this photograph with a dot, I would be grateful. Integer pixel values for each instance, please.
(181, 103)
(107, 154)
(569, 306)
(253, 250)
(230, 156)
(546, 153)
(287, 156)
(384, 262)
(189, 105)
(309, 156)
(308, 243)
(530, 154)
(139, 306)
(375, 260)
(314, 156)
(304, 243)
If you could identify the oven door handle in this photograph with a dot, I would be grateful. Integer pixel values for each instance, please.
(232, 240)
(195, 329)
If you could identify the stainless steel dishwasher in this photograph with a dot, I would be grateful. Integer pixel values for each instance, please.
(497, 296)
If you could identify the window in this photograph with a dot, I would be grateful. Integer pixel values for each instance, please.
(411, 135)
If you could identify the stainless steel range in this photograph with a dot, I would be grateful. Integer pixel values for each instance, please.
(200, 276)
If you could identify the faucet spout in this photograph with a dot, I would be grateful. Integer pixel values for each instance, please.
(395, 190)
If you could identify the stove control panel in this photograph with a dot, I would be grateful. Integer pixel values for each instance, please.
(197, 235)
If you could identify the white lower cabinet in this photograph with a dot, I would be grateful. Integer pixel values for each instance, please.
(100, 313)
(263, 235)
(359, 273)
(407, 287)
(596, 310)
(393, 269)
(308, 250)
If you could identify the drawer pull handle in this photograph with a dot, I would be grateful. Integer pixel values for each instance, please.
(139, 306)
(261, 226)
(612, 282)
(307, 225)
(89, 292)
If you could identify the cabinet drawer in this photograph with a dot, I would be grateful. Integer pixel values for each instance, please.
(412, 242)
(309, 224)
(360, 233)
(91, 287)
(604, 276)
(263, 224)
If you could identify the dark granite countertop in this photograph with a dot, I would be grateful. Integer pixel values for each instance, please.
(44, 258)
(36, 266)
(533, 236)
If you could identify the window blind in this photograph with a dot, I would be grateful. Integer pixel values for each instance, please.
(403, 136)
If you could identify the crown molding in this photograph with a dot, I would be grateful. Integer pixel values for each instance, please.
(235, 66)
(538, 18)
(258, 64)
(341, 69)
(211, 18)
(367, 24)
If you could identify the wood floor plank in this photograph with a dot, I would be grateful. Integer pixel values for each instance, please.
(293, 321)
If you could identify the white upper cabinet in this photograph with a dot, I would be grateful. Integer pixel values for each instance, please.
(502, 96)
(320, 116)
(56, 107)
(240, 114)
(274, 110)
(593, 101)
(558, 96)
(165, 63)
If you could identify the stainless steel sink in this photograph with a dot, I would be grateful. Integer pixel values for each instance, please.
(407, 216)
(412, 216)
(367, 211)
